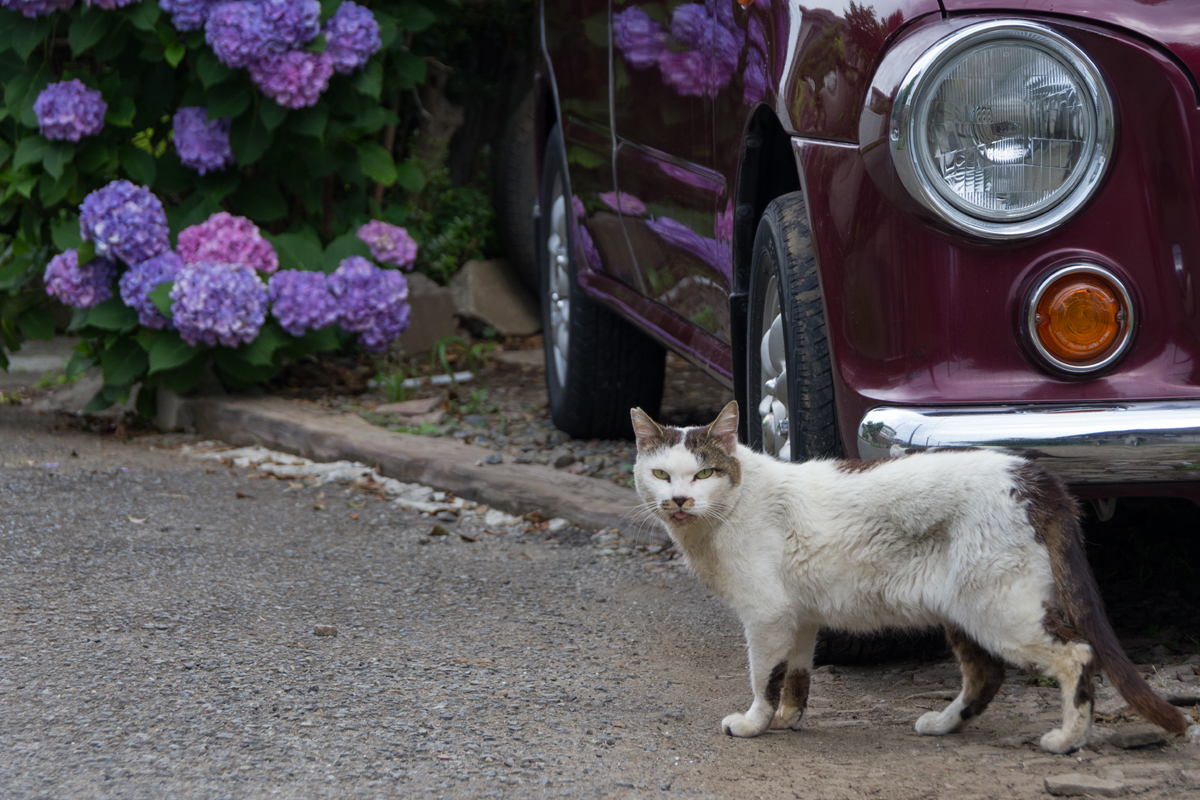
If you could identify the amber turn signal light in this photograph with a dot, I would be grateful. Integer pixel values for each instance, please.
(1080, 318)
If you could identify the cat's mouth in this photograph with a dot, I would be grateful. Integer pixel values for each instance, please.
(680, 516)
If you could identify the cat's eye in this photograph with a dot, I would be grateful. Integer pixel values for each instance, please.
(704, 473)
(661, 474)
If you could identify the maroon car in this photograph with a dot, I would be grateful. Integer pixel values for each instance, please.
(899, 225)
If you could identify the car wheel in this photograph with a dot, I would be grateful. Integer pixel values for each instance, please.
(598, 366)
(515, 189)
(789, 382)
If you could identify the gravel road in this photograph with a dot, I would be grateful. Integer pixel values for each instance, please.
(157, 640)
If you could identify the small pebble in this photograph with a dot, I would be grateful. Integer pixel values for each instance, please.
(565, 460)
(325, 630)
(447, 516)
(494, 458)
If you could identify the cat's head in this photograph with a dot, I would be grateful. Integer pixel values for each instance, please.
(687, 474)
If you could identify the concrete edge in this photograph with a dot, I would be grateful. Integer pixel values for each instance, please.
(444, 464)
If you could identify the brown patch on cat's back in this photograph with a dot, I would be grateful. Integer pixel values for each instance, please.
(1044, 498)
(854, 465)
(710, 453)
(1053, 622)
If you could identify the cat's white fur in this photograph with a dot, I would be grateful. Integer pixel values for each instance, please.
(931, 539)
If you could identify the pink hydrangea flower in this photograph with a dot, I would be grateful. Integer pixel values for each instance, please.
(226, 239)
(390, 244)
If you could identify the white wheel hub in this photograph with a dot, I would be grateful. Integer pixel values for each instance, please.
(559, 284)
(773, 382)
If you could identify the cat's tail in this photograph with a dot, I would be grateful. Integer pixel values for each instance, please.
(1055, 516)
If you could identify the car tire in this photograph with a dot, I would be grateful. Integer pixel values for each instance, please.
(598, 366)
(787, 352)
(514, 190)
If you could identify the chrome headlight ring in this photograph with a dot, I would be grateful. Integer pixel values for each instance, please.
(1080, 160)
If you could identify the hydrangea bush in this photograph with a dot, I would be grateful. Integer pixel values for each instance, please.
(190, 175)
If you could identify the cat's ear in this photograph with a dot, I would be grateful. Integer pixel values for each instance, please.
(645, 430)
(725, 426)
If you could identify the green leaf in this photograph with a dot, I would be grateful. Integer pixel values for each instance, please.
(56, 157)
(15, 273)
(78, 363)
(210, 70)
(321, 339)
(249, 138)
(238, 372)
(297, 252)
(30, 150)
(410, 176)
(376, 163)
(123, 363)
(219, 185)
(65, 233)
(317, 45)
(112, 315)
(98, 403)
(272, 113)
(192, 211)
(160, 295)
(183, 379)
(96, 157)
(36, 323)
(342, 248)
(261, 352)
(86, 251)
(370, 81)
(174, 53)
(52, 191)
(260, 200)
(170, 351)
(309, 121)
(138, 164)
(329, 8)
(146, 404)
(144, 15)
(411, 68)
(228, 100)
(3, 357)
(5, 151)
(122, 114)
(8, 331)
(91, 26)
(415, 17)
(27, 34)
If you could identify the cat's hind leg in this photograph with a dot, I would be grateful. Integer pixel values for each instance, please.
(1073, 665)
(982, 672)
(797, 678)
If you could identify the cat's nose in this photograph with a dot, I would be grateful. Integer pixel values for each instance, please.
(679, 501)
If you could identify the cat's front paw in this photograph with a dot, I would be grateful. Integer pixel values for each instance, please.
(741, 726)
(1056, 741)
(788, 719)
(936, 723)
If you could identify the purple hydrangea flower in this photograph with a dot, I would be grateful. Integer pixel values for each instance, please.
(590, 254)
(685, 71)
(754, 78)
(641, 40)
(218, 304)
(623, 202)
(79, 286)
(36, 8)
(137, 284)
(226, 239)
(724, 226)
(109, 5)
(352, 37)
(241, 33)
(301, 300)
(756, 34)
(390, 244)
(372, 302)
(187, 15)
(295, 79)
(691, 27)
(68, 111)
(202, 145)
(125, 221)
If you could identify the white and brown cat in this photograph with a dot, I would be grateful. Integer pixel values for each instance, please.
(981, 542)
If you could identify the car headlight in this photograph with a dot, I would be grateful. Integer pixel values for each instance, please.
(1002, 129)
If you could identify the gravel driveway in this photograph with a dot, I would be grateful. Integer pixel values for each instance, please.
(157, 618)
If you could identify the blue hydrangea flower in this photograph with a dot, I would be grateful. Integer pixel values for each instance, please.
(243, 32)
(295, 79)
(218, 304)
(187, 15)
(390, 244)
(351, 36)
(68, 111)
(301, 300)
(137, 284)
(109, 5)
(79, 286)
(372, 302)
(36, 8)
(202, 145)
(124, 221)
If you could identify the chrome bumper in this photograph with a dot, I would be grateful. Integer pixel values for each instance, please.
(1155, 442)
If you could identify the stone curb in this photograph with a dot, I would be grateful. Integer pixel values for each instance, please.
(441, 463)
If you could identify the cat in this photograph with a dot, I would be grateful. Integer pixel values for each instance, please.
(981, 542)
